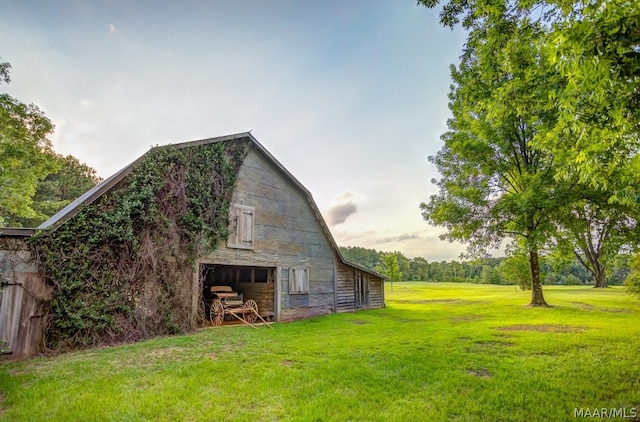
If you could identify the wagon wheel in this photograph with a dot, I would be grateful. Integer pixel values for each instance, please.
(217, 313)
(251, 306)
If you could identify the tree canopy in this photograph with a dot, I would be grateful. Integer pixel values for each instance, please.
(594, 46)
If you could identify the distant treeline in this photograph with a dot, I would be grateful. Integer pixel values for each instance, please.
(505, 270)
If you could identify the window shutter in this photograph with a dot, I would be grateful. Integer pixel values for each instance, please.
(246, 234)
(241, 227)
(299, 280)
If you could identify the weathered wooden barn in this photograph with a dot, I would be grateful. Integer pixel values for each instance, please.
(279, 253)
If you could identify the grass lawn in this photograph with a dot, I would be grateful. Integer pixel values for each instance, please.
(439, 351)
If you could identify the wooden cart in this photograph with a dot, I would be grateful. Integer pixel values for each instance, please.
(227, 304)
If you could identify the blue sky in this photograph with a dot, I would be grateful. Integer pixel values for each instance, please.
(350, 96)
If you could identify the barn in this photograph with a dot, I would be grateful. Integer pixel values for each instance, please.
(82, 269)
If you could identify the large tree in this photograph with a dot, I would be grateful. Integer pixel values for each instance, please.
(595, 46)
(494, 184)
(25, 154)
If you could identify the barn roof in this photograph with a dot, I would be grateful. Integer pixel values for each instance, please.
(96, 192)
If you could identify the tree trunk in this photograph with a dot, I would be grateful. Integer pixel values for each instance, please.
(600, 277)
(537, 298)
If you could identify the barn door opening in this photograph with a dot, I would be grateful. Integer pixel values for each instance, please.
(362, 291)
(254, 283)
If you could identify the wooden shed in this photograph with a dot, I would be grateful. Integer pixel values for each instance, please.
(279, 253)
(22, 293)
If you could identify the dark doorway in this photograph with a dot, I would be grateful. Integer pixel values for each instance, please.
(256, 283)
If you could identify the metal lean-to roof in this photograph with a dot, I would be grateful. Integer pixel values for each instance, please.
(96, 192)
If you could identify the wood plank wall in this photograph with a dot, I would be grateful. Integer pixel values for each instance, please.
(345, 285)
(376, 292)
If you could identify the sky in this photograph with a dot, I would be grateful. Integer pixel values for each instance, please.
(350, 96)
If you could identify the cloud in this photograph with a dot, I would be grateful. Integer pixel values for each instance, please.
(400, 238)
(112, 29)
(345, 205)
(339, 213)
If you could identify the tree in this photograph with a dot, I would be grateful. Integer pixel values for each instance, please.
(494, 184)
(594, 230)
(515, 270)
(25, 154)
(368, 258)
(404, 264)
(633, 279)
(419, 268)
(58, 189)
(390, 267)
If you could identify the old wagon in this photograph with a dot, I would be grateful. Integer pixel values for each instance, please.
(227, 304)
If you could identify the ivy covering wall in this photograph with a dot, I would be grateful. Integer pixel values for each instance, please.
(122, 267)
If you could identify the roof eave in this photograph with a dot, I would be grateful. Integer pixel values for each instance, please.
(17, 232)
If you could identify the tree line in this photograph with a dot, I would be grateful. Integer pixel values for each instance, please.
(511, 270)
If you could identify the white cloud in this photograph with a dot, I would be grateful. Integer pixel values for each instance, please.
(112, 29)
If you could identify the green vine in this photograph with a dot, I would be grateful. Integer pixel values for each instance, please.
(122, 267)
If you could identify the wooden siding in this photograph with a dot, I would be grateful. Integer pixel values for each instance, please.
(349, 296)
(287, 234)
(346, 292)
(376, 292)
(20, 311)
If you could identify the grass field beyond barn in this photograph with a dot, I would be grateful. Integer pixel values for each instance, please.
(437, 352)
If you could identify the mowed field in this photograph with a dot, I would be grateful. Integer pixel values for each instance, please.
(439, 351)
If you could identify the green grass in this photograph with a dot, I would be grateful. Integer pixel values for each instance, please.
(438, 352)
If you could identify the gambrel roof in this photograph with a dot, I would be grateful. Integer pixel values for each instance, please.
(105, 186)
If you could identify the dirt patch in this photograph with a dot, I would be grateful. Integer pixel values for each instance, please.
(232, 347)
(479, 373)
(544, 328)
(405, 320)
(488, 346)
(493, 343)
(227, 348)
(17, 372)
(465, 318)
(288, 363)
(464, 338)
(589, 307)
(503, 335)
(165, 352)
(358, 321)
(436, 301)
